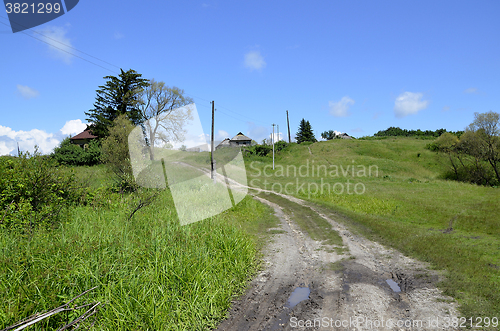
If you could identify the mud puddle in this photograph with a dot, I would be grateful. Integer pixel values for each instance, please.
(298, 295)
(303, 282)
(394, 286)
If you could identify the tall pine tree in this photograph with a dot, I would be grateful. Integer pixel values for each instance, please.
(118, 96)
(305, 132)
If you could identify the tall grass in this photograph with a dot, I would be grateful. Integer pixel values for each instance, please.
(151, 273)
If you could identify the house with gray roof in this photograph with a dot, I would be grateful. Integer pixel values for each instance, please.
(237, 141)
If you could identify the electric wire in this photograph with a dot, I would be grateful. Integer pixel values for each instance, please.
(249, 119)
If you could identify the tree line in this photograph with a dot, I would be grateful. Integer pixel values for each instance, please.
(398, 132)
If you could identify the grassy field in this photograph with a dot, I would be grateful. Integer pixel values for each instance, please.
(151, 273)
(390, 190)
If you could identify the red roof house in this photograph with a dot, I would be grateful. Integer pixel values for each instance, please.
(83, 138)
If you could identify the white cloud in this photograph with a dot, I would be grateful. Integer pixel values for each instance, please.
(408, 103)
(276, 136)
(254, 61)
(339, 109)
(28, 139)
(118, 35)
(446, 108)
(357, 130)
(8, 132)
(73, 127)
(27, 92)
(4, 149)
(59, 44)
(471, 90)
(221, 135)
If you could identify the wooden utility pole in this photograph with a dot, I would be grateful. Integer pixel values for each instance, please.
(212, 168)
(288, 123)
(272, 139)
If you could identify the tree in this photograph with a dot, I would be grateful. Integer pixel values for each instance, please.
(118, 96)
(486, 127)
(305, 132)
(115, 152)
(328, 135)
(475, 155)
(447, 144)
(164, 114)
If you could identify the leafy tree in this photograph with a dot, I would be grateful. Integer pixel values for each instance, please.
(475, 157)
(447, 144)
(115, 152)
(305, 132)
(328, 135)
(118, 96)
(164, 114)
(487, 127)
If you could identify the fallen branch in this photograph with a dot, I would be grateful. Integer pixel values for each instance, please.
(39, 317)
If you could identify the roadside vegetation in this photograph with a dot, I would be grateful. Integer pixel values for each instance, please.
(405, 201)
(151, 272)
(77, 220)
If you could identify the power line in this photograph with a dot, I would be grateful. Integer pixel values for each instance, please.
(66, 45)
(98, 65)
(84, 59)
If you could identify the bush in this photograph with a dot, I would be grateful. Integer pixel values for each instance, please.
(264, 150)
(33, 191)
(71, 154)
(280, 145)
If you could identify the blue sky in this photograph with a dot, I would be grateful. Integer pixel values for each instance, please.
(350, 66)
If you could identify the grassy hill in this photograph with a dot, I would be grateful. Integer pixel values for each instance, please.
(402, 202)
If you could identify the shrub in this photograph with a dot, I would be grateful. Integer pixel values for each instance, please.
(280, 145)
(33, 191)
(71, 154)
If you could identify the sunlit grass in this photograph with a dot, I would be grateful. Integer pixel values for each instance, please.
(151, 272)
(406, 205)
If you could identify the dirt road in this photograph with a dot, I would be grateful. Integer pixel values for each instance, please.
(307, 285)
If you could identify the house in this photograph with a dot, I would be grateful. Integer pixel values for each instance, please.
(237, 141)
(344, 136)
(83, 138)
(224, 143)
(240, 140)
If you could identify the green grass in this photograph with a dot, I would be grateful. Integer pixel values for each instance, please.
(151, 273)
(405, 205)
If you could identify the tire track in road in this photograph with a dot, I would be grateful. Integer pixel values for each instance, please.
(346, 285)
